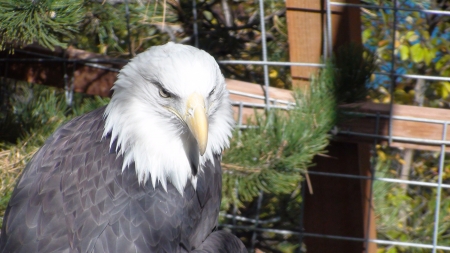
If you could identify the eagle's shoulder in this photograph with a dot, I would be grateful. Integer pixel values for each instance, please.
(66, 146)
(87, 125)
(64, 182)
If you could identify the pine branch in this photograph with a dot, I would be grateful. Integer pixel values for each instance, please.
(47, 22)
(272, 156)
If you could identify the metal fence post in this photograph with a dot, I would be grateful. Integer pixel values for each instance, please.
(439, 188)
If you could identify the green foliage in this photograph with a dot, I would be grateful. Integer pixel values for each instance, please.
(37, 110)
(406, 212)
(47, 22)
(421, 47)
(104, 27)
(92, 25)
(354, 66)
(272, 155)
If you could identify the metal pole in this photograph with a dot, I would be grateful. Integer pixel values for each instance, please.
(194, 13)
(439, 189)
(235, 208)
(258, 209)
(241, 108)
(329, 29)
(372, 179)
(264, 52)
(127, 17)
(393, 77)
(302, 214)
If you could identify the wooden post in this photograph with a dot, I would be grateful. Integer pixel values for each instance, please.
(306, 21)
(370, 230)
(339, 206)
(305, 29)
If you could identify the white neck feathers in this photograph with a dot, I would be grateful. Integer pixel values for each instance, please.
(152, 138)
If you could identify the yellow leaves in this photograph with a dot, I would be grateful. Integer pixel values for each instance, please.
(446, 173)
(273, 73)
(276, 79)
(442, 62)
(381, 155)
(208, 15)
(417, 53)
(366, 34)
(392, 250)
(404, 52)
(411, 36)
(425, 34)
(429, 55)
(102, 48)
(403, 97)
(399, 92)
(443, 89)
(380, 95)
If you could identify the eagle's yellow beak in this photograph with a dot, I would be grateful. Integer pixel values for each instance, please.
(197, 121)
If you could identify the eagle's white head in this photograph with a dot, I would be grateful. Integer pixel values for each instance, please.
(170, 113)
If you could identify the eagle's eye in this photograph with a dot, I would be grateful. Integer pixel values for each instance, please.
(164, 93)
(212, 92)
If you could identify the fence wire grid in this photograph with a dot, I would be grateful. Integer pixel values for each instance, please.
(255, 222)
(270, 103)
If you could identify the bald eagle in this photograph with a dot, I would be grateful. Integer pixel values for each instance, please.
(142, 174)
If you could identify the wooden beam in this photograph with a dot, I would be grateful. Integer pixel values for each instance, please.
(36, 64)
(248, 112)
(400, 127)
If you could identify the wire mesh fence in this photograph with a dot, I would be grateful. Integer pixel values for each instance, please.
(257, 225)
(254, 223)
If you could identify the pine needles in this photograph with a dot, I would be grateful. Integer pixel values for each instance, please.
(48, 22)
(272, 156)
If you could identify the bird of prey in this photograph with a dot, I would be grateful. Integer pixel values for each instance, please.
(139, 175)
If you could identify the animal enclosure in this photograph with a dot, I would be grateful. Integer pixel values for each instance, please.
(340, 211)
